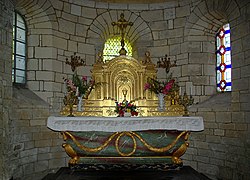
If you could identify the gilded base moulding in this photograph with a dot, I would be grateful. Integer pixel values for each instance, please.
(108, 106)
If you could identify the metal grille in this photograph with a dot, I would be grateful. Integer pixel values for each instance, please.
(113, 46)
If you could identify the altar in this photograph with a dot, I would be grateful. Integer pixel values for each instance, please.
(95, 138)
(125, 142)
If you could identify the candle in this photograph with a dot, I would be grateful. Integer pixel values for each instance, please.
(180, 90)
(65, 88)
(77, 91)
(190, 90)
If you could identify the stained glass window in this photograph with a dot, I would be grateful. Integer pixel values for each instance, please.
(223, 57)
(19, 50)
(113, 46)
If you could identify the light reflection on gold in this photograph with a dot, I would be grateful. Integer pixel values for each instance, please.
(121, 73)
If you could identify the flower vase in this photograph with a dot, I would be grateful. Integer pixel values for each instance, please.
(79, 104)
(127, 114)
(161, 102)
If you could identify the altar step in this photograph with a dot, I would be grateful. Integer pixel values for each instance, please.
(184, 173)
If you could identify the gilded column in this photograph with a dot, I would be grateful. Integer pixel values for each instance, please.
(141, 88)
(138, 85)
(111, 86)
(106, 85)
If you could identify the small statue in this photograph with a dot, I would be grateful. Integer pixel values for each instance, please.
(147, 59)
(99, 59)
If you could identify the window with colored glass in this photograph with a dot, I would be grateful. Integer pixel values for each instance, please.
(223, 57)
(19, 50)
(113, 46)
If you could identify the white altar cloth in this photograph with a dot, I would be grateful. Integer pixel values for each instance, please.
(120, 124)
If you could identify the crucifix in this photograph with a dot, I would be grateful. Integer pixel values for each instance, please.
(122, 25)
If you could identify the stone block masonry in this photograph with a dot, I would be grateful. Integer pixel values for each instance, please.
(182, 29)
(224, 144)
(6, 12)
(37, 153)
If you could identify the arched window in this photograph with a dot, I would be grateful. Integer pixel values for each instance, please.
(223, 57)
(113, 46)
(19, 50)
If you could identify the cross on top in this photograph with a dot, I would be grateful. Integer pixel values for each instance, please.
(122, 25)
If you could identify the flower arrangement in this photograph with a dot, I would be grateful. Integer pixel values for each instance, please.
(125, 106)
(79, 87)
(164, 87)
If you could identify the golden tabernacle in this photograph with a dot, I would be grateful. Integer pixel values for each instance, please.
(121, 74)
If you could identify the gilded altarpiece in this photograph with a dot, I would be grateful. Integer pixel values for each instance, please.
(126, 73)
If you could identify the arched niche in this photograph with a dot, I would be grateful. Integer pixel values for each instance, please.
(120, 73)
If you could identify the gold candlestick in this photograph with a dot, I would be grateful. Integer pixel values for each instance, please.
(186, 101)
(75, 62)
(70, 99)
(165, 63)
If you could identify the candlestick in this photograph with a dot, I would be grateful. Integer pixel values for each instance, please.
(165, 63)
(186, 101)
(70, 100)
(75, 62)
(65, 88)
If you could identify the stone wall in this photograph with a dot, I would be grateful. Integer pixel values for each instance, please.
(37, 150)
(6, 9)
(184, 30)
(57, 29)
(222, 150)
(28, 149)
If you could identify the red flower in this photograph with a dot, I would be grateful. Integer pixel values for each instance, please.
(84, 78)
(167, 88)
(71, 85)
(147, 86)
(121, 113)
(172, 81)
(134, 113)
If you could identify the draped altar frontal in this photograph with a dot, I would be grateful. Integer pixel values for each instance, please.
(125, 142)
